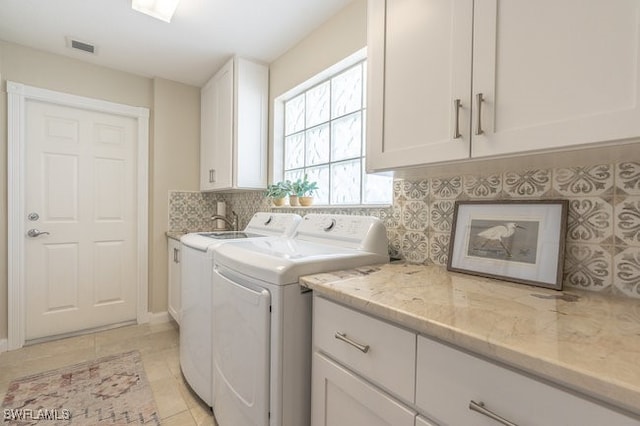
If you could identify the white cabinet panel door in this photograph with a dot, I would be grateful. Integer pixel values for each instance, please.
(421, 421)
(555, 73)
(81, 187)
(234, 122)
(175, 271)
(340, 398)
(223, 111)
(419, 64)
(216, 127)
(448, 380)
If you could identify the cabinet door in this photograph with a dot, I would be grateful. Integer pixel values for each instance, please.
(419, 64)
(222, 141)
(251, 124)
(339, 398)
(206, 136)
(216, 130)
(174, 279)
(389, 362)
(448, 380)
(555, 73)
(421, 421)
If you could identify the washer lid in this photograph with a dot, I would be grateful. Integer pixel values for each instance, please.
(283, 260)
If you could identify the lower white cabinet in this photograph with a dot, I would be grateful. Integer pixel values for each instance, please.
(381, 352)
(359, 362)
(421, 421)
(457, 388)
(341, 398)
(354, 354)
(174, 279)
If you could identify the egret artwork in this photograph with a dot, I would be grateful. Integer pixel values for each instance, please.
(514, 241)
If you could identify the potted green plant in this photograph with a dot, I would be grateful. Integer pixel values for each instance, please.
(277, 192)
(302, 190)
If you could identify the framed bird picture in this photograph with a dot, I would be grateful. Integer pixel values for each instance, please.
(514, 240)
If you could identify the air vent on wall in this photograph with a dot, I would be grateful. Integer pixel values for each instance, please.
(74, 43)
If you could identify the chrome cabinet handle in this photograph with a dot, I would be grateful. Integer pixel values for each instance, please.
(344, 338)
(479, 408)
(211, 176)
(479, 100)
(36, 233)
(175, 256)
(456, 111)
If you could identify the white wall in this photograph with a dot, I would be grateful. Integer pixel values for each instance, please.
(175, 165)
(336, 39)
(175, 110)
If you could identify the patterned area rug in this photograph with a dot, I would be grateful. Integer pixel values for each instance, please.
(112, 390)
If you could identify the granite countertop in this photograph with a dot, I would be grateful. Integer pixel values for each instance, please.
(582, 340)
(175, 234)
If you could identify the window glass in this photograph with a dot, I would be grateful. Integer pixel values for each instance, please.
(325, 139)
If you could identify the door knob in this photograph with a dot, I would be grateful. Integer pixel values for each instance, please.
(35, 233)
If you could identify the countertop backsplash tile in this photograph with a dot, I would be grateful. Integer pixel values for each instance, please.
(191, 211)
(628, 178)
(603, 231)
(527, 183)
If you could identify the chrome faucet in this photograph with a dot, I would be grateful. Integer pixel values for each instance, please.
(232, 223)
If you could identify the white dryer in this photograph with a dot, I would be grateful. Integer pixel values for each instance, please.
(196, 315)
(262, 316)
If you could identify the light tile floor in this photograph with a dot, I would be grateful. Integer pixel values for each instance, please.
(158, 346)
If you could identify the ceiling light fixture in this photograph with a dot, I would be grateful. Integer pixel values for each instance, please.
(159, 9)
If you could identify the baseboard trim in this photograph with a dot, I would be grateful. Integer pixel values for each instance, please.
(158, 317)
(3, 345)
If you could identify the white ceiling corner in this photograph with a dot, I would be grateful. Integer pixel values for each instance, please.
(201, 36)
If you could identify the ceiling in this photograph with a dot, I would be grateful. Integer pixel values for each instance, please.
(202, 35)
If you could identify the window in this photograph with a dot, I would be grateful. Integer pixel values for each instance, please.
(324, 138)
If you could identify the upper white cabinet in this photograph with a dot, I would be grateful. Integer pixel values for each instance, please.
(458, 79)
(234, 120)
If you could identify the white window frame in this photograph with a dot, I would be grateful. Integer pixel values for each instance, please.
(279, 116)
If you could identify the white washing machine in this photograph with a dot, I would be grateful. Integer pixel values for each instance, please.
(196, 316)
(262, 317)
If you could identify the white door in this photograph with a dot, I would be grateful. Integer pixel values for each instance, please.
(223, 128)
(80, 191)
(175, 277)
(419, 66)
(339, 398)
(241, 351)
(421, 421)
(216, 127)
(555, 73)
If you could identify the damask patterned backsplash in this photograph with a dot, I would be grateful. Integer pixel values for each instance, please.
(192, 211)
(603, 232)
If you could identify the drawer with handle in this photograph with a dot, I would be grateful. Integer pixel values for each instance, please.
(382, 353)
(457, 388)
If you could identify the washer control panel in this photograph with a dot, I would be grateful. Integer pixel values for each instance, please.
(349, 231)
(267, 223)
